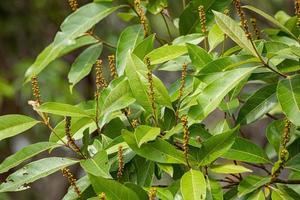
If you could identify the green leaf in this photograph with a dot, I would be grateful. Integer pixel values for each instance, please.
(251, 183)
(79, 42)
(83, 64)
(294, 163)
(144, 134)
(156, 6)
(215, 146)
(215, 37)
(136, 72)
(234, 31)
(112, 189)
(212, 95)
(158, 151)
(62, 109)
(198, 56)
(261, 102)
(11, 125)
(213, 190)
(34, 171)
(24, 154)
(97, 165)
(274, 132)
(128, 40)
(229, 169)
(118, 98)
(258, 195)
(284, 193)
(166, 53)
(144, 47)
(288, 94)
(271, 19)
(194, 38)
(193, 185)
(74, 26)
(227, 63)
(246, 151)
(83, 20)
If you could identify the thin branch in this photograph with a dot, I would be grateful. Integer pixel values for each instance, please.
(167, 26)
(286, 181)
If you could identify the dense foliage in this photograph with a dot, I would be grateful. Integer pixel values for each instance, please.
(139, 139)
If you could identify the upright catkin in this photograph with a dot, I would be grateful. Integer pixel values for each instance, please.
(255, 28)
(71, 142)
(112, 66)
(202, 17)
(283, 153)
(142, 16)
(73, 4)
(71, 179)
(121, 162)
(243, 19)
(186, 138)
(152, 193)
(151, 87)
(297, 11)
(36, 90)
(100, 80)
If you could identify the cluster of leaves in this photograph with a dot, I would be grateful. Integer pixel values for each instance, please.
(136, 131)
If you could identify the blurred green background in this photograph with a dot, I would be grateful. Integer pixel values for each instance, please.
(28, 26)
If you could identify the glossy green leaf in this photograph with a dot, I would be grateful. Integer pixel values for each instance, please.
(144, 134)
(294, 163)
(97, 165)
(198, 56)
(274, 132)
(24, 154)
(288, 94)
(258, 104)
(118, 98)
(73, 27)
(62, 109)
(144, 47)
(194, 38)
(271, 19)
(33, 171)
(213, 190)
(156, 6)
(251, 183)
(11, 125)
(83, 64)
(113, 189)
(229, 169)
(166, 53)
(83, 20)
(212, 95)
(158, 151)
(258, 195)
(128, 40)
(215, 146)
(246, 151)
(193, 185)
(215, 37)
(284, 193)
(234, 31)
(136, 72)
